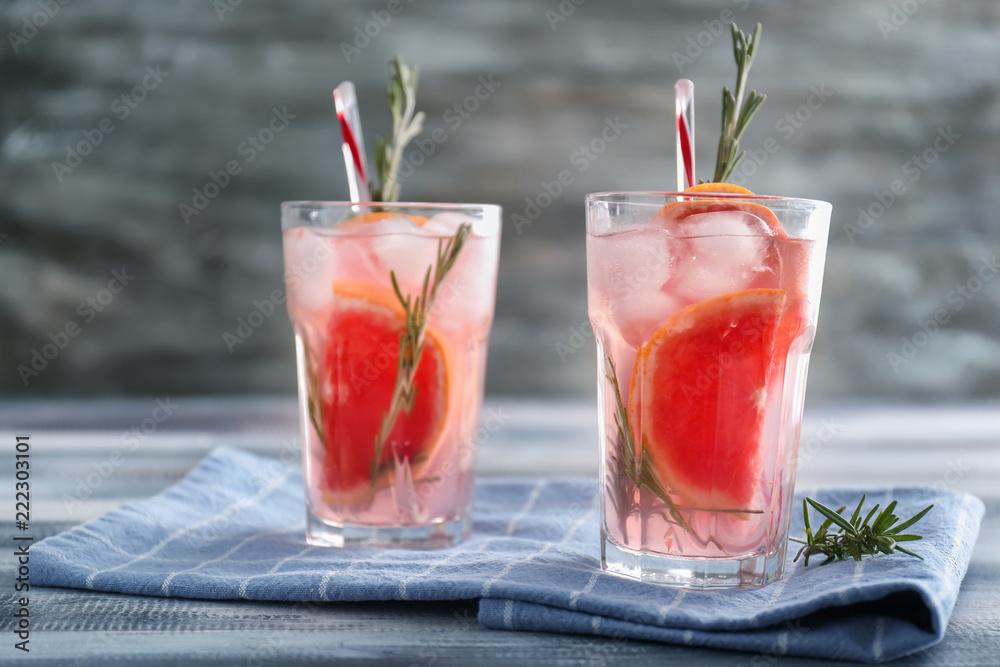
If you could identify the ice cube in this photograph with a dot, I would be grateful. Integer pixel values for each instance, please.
(467, 296)
(631, 264)
(720, 252)
(310, 265)
(399, 245)
(627, 274)
(409, 250)
(397, 224)
(722, 223)
(638, 319)
(446, 223)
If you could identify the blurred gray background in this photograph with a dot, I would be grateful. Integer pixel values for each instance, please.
(113, 111)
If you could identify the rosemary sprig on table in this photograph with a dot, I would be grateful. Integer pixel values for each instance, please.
(411, 341)
(407, 123)
(736, 113)
(638, 469)
(855, 537)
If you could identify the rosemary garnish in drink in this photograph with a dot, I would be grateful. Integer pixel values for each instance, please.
(411, 341)
(638, 468)
(736, 113)
(856, 537)
(314, 397)
(407, 123)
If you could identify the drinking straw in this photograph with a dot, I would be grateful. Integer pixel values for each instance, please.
(346, 102)
(684, 90)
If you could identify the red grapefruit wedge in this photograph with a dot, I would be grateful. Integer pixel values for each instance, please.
(697, 396)
(358, 375)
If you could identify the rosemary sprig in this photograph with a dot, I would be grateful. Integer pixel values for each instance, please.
(736, 113)
(411, 341)
(638, 469)
(314, 398)
(856, 537)
(406, 124)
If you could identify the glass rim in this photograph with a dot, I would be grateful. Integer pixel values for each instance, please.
(319, 203)
(603, 196)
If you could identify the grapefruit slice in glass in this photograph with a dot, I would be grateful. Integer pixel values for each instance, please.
(698, 392)
(358, 371)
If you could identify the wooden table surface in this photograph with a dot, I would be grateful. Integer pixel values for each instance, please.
(953, 446)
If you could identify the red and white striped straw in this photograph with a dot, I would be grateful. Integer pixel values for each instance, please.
(346, 102)
(684, 90)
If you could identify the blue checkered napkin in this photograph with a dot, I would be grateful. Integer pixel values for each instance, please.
(234, 529)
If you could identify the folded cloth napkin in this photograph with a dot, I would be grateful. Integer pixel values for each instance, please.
(234, 529)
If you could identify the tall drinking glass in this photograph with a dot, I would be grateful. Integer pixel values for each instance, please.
(392, 306)
(704, 308)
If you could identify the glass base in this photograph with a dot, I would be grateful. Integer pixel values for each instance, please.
(437, 535)
(698, 573)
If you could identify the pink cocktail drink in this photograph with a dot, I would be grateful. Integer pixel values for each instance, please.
(704, 308)
(392, 306)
